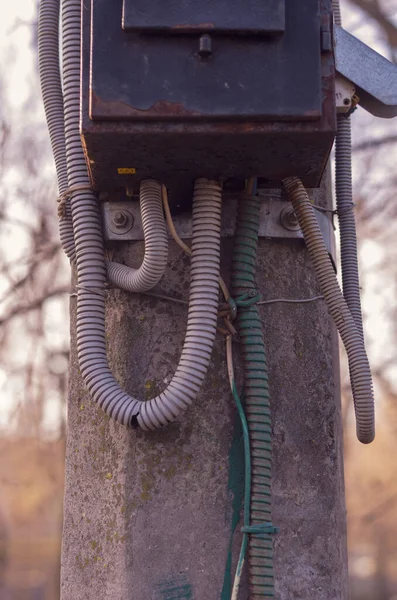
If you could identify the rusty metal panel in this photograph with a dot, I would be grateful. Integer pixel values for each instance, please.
(121, 152)
(166, 77)
(194, 16)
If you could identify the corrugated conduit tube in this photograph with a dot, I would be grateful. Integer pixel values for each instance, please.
(155, 234)
(91, 272)
(156, 245)
(203, 310)
(51, 89)
(344, 205)
(256, 392)
(358, 362)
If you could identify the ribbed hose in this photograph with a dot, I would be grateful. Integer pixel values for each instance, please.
(337, 306)
(337, 12)
(256, 392)
(203, 310)
(156, 245)
(91, 272)
(344, 205)
(51, 89)
(347, 221)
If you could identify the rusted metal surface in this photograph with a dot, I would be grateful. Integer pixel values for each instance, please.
(192, 16)
(160, 109)
(178, 149)
(246, 77)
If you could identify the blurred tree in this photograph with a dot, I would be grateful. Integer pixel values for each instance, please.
(34, 344)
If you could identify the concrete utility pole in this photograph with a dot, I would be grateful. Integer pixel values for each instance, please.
(150, 516)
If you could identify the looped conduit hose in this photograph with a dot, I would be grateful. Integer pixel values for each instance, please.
(155, 260)
(156, 245)
(91, 271)
(256, 392)
(51, 89)
(203, 310)
(337, 306)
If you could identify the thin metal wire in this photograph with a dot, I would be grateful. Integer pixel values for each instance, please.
(63, 198)
(92, 290)
(322, 209)
(165, 297)
(335, 211)
(291, 300)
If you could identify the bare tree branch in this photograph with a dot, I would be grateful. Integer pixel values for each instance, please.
(374, 10)
(35, 304)
(375, 143)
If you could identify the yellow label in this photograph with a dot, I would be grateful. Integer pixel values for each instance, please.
(126, 171)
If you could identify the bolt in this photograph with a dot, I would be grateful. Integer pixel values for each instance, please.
(120, 219)
(289, 219)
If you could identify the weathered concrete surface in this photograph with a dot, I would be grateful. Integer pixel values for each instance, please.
(149, 516)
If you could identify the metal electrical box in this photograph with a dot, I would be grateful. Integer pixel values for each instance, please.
(180, 89)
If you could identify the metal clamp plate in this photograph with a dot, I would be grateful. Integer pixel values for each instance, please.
(122, 221)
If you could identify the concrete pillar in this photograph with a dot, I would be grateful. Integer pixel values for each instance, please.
(150, 516)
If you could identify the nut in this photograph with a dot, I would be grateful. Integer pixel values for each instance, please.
(120, 219)
(288, 219)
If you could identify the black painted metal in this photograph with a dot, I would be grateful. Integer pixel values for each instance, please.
(163, 77)
(194, 16)
(251, 106)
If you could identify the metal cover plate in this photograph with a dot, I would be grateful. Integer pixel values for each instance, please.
(193, 16)
(156, 77)
(374, 77)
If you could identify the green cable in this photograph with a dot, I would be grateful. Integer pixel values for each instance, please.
(247, 480)
(257, 525)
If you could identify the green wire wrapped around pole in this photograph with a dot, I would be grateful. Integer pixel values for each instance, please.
(256, 393)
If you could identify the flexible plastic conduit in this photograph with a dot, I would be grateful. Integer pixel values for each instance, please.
(91, 272)
(51, 89)
(337, 306)
(256, 392)
(156, 245)
(203, 310)
(344, 205)
(347, 221)
(337, 12)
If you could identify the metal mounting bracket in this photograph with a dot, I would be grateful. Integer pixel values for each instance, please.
(374, 77)
(121, 221)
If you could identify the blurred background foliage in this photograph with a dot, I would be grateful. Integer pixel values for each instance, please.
(34, 335)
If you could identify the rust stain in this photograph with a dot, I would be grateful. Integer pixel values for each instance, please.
(193, 27)
(160, 109)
